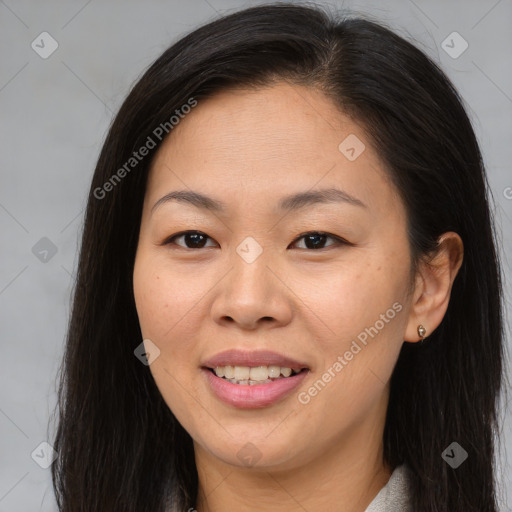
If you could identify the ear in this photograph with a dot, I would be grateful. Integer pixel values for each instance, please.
(434, 281)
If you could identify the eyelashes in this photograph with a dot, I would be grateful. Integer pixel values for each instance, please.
(312, 239)
(198, 237)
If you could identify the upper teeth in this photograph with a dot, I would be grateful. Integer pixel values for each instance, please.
(253, 373)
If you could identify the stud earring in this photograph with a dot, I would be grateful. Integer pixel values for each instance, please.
(421, 333)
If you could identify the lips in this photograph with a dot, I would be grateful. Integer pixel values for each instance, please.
(250, 394)
(235, 357)
(255, 396)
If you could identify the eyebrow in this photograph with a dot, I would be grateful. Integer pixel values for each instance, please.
(288, 203)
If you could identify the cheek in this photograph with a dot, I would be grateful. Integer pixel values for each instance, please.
(151, 299)
(359, 316)
(164, 298)
(162, 305)
(352, 297)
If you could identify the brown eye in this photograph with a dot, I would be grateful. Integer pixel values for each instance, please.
(313, 240)
(316, 240)
(192, 239)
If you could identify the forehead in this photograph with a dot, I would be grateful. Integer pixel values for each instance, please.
(262, 144)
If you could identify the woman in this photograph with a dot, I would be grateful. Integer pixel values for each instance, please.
(288, 293)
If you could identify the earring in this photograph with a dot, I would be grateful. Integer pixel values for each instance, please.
(421, 333)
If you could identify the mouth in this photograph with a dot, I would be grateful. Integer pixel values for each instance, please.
(254, 375)
(257, 392)
(253, 378)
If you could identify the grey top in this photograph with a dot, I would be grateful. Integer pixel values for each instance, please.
(395, 495)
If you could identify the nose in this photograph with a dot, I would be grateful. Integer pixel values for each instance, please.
(252, 295)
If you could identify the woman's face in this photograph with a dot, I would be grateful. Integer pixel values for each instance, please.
(250, 281)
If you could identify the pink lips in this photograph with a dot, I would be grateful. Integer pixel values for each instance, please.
(251, 397)
(257, 395)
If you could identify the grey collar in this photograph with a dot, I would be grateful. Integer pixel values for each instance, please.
(395, 495)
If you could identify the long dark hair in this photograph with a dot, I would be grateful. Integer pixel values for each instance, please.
(119, 446)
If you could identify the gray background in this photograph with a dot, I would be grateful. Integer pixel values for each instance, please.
(54, 115)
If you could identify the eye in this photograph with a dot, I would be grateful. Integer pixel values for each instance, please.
(195, 238)
(316, 239)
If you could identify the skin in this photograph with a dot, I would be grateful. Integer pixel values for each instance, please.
(249, 148)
